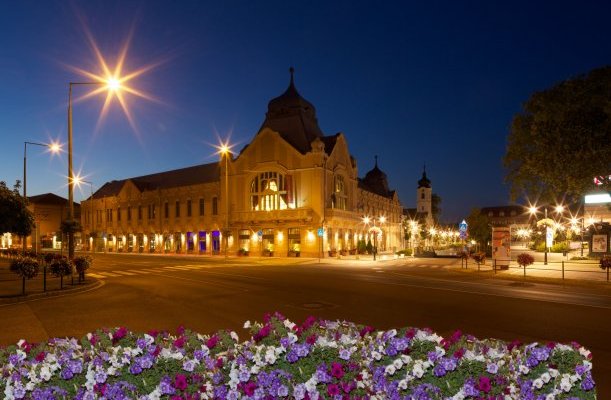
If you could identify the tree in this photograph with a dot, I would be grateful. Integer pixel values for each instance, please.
(479, 226)
(561, 140)
(15, 217)
(435, 207)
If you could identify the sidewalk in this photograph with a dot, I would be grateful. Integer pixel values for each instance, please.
(584, 271)
(11, 285)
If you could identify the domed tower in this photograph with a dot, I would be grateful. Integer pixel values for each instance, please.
(293, 117)
(424, 200)
(376, 181)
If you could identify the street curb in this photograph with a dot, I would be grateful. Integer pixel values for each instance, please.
(95, 284)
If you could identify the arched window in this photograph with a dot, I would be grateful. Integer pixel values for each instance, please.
(340, 198)
(271, 191)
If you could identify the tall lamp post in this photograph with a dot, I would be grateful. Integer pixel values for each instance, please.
(112, 85)
(375, 230)
(52, 147)
(77, 181)
(224, 151)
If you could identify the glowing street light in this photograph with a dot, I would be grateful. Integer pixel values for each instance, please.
(53, 148)
(375, 230)
(224, 150)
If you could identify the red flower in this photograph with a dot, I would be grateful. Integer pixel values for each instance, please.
(337, 370)
(180, 342)
(311, 339)
(93, 340)
(153, 333)
(411, 332)
(119, 334)
(365, 331)
(513, 345)
(551, 345)
(210, 343)
(180, 382)
(347, 387)
(484, 384)
(459, 353)
(40, 356)
(219, 362)
(156, 351)
(180, 330)
(333, 390)
(249, 388)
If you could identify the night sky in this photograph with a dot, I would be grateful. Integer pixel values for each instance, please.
(414, 83)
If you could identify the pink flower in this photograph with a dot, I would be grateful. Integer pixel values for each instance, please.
(333, 390)
(93, 340)
(119, 334)
(484, 384)
(180, 330)
(337, 370)
(180, 342)
(365, 330)
(211, 343)
(459, 353)
(249, 388)
(40, 356)
(551, 345)
(180, 382)
(311, 339)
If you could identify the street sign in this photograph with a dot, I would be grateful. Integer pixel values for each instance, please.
(260, 233)
(321, 232)
(462, 229)
(549, 237)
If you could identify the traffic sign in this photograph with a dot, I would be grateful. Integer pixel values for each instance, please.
(321, 232)
(260, 233)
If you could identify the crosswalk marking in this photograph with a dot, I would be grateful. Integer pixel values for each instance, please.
(137, 271)
(108, 274)
(95, 275)
(178, 268)
(124, 273)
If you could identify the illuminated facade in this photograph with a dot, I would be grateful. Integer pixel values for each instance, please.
(291, 191)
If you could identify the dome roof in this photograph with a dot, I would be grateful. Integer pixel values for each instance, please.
(293, 117)
(424, 181)
(376, 181)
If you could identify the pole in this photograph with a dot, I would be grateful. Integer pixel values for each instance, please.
(562, 270)
(25, 201)
(226, 203)
(546, 228)
(70, 177)
(582, 228)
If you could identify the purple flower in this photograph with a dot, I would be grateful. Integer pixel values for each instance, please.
(135, 369)
(492, 368)
(345, 354)
(292, 356)
(19, 391)
(66, 373)
(244, 375)
(283, 391)
(188, 365)
(439, 370)
(299, 391)
(587, 383)
(165, 386)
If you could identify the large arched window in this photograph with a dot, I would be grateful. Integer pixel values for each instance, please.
(340, 198)
(271, 191)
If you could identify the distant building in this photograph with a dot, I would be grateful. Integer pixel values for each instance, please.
(507, 215)
(291, 191)
(423, 213)
(49, 211)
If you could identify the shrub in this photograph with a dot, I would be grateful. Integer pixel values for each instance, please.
(26, 268)
(316, 359)
(61, 267)
(605, 262)
(525, 259)
(479, 257)
(560, 247)
(82, 264)
(405, 252)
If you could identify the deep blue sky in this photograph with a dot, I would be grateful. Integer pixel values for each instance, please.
(410, 82)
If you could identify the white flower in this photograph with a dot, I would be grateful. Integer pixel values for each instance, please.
(402, 384)
(553, 372)
(417, 371)
(459, 396)
(524, 369)
(406, 359)
(247, 325)
(376, 356)
(565, 383)
(45, 374)
(584, 352)
(311, 384)
(289, 324)
(234, 336)
(545, 377)
(538, 383)
(390, 370)
(270, 356)
(155, 394)
(398, 364)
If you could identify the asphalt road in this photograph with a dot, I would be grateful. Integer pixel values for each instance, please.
(204, 294)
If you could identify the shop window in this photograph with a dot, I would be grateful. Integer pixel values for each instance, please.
(202, 241)
(244, 239)
(268, 242)
(294, 238)
(272, 191)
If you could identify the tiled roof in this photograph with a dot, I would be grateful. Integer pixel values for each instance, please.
(197, 174)
(48, 198)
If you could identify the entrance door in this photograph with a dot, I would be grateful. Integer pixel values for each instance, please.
(216, 242)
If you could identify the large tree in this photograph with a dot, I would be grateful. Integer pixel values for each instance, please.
(15, 217)
(479, 227)
(562, 139)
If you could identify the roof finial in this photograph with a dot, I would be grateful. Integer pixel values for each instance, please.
(292, 71)
(376, 158)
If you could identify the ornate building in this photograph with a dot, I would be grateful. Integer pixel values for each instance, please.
(291, 191)
(423, 213)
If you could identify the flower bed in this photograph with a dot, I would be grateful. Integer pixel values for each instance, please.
(317, 359)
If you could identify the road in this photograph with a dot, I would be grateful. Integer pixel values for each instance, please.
(206, 294)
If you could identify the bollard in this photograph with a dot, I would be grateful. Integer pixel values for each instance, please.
(44, 278)
(563, 270)
(494, 264)
(608, 274)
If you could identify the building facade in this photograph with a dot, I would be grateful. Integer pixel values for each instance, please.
(292, 191)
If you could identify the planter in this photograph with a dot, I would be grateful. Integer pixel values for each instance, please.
(294, 253)
(332, 253)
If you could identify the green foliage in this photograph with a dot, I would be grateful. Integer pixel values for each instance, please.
(560, 141)
(82, 263)
(25, 267)
(15, 217)
(479, 226)
(405, 252)
(369, 247)
(560, 247)
(361, 246)
(60, 267)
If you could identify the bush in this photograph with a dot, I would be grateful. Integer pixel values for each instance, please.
(560, 247)
(25, 267)
(317, 359)
(405, 252)
(479, 257)
(82, 263)
(61, 267)
(525, 259)
(605, 262)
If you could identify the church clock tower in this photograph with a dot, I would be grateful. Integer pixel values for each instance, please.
(424, 200)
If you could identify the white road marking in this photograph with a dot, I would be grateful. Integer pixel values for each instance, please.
(108, 274)
(124, 273)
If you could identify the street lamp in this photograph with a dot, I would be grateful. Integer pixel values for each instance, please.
(111, 85)
(54, 148)
(375, 230)
(224, 151)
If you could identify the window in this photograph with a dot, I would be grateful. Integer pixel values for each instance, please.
(118, 213)
(177, 209)
(271, 191)
(201, 207)
(166, 210)
(294, 237)
(422, 195)
(153, 213)
(139, 213)
(148, 211)
(188, 208)
(215, 207)
(340, 199)
(129, 213)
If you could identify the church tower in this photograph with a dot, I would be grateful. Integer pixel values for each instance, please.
(424, 200)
